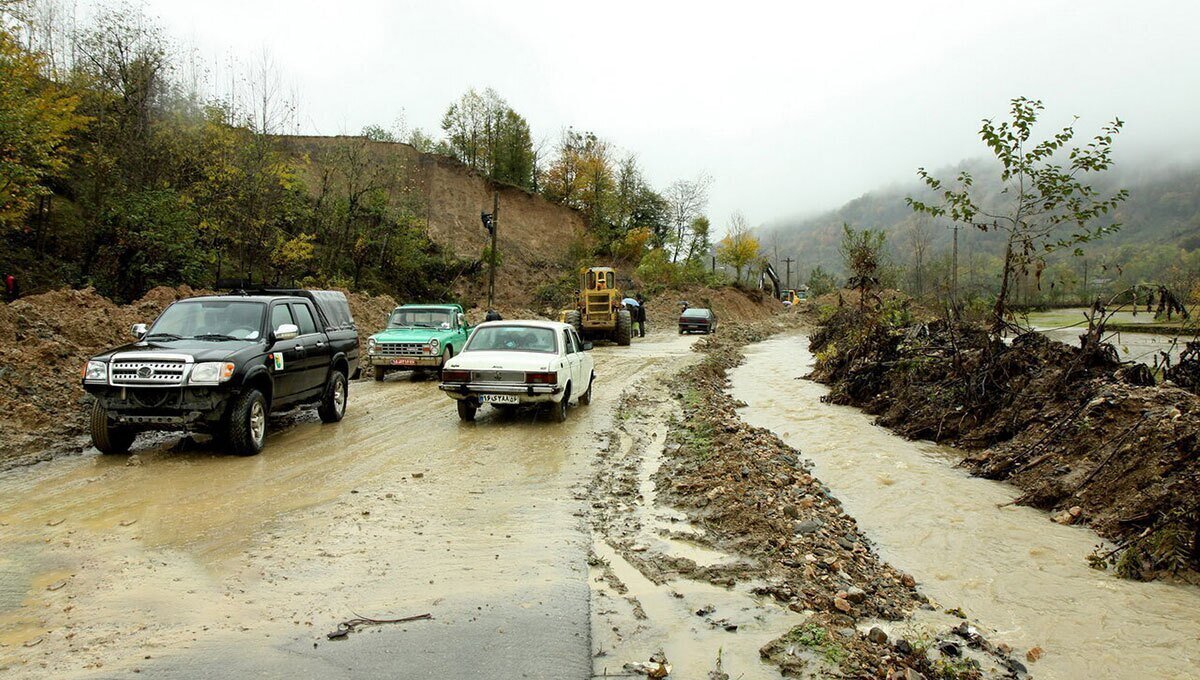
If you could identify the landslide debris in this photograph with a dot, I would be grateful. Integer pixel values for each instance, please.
(1086, 438)
(45, 340)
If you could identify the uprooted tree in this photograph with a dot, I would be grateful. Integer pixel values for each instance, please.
(1045, 204)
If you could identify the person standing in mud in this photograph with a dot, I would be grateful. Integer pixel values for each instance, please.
(641, 316)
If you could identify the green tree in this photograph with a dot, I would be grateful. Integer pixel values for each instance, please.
(820, 282)
(862, 253)
(1045, 204)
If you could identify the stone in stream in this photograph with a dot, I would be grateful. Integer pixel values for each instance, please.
(949, 649)
(904, 647)
(856, 595)
(877, 636)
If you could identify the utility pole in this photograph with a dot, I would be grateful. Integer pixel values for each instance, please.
(714, 264)
(491, 222)
(789, 262)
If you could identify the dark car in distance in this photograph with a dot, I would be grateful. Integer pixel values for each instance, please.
(697, 320)
(221, 364)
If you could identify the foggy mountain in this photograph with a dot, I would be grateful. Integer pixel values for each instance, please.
(1163, 209)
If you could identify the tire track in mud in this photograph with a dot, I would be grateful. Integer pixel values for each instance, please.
(183, 555)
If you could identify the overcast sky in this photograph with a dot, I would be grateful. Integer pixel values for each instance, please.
(792, 107)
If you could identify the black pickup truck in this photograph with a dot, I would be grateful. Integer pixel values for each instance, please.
(221, 364)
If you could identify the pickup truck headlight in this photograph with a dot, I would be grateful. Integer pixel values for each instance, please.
(371, 346)
(211, 372)
(95, 371)
(433, 344)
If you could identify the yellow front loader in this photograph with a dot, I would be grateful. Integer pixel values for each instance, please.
(598, 312)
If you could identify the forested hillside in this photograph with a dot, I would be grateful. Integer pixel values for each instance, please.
(122, 167)
(1158, 242)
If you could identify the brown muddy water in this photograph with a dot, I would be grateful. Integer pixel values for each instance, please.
(401, 509)
(1009, 568)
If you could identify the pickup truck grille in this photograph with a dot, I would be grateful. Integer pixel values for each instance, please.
(158, 373)
(494, 376)
(401, 349)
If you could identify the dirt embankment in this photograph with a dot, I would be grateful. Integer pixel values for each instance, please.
(46, 339)
(535, 237)
(1086, 438)
(757, 497)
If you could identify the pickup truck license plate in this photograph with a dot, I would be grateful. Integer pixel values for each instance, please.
(404, 362)
(500, 399)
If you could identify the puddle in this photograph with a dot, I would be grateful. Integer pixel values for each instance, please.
(690, 641)
(1010, 568)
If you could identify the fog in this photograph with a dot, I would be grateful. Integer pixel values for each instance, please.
(791, 108)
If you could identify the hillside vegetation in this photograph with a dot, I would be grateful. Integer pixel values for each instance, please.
(1158, 242)
(122, 170)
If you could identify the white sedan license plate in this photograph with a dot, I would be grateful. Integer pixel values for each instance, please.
(500, 399)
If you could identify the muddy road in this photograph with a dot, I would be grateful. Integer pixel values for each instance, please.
(187, 563)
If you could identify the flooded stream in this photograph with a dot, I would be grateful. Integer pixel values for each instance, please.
(1009, 568)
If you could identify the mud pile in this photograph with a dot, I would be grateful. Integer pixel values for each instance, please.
(46, 339)
(1085, 437)
(731, 304)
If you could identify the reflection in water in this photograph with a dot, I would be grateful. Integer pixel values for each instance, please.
(1008, 567)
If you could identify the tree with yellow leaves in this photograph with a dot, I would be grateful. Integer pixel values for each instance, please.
(739, 249)
(36, 120)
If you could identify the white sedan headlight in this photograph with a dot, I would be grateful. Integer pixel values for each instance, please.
(211, 372)
(95, 371)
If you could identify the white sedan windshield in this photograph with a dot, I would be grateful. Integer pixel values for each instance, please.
(513, 339)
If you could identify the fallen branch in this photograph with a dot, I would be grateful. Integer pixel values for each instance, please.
(350, 625)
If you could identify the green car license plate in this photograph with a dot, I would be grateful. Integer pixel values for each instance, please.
(500, 399)
(404, 362)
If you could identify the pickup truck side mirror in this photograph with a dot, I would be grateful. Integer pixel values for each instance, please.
(287, 331)
(138, 330)
(587, 346)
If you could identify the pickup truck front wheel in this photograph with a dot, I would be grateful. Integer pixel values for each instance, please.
(333, 404)
(246, 429)
(466, 410)
(110, 439)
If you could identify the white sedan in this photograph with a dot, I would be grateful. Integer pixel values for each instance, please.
(512, 363)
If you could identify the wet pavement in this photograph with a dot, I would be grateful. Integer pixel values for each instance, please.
(195, 564)
(1008, 567)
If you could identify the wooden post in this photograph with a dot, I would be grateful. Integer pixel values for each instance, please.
(789, 262)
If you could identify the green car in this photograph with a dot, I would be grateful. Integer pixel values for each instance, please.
(418, 337)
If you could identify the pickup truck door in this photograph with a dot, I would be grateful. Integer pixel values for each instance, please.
(317, 352)
(285, 359)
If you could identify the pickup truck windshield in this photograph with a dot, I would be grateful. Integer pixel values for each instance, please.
(214, 320)
(421, 318)
(513, 339)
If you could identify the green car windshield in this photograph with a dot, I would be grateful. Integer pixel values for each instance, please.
(512, 339)
(418, 317)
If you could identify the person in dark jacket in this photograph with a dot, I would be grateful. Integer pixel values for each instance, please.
(493, 315)
(641, 316)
